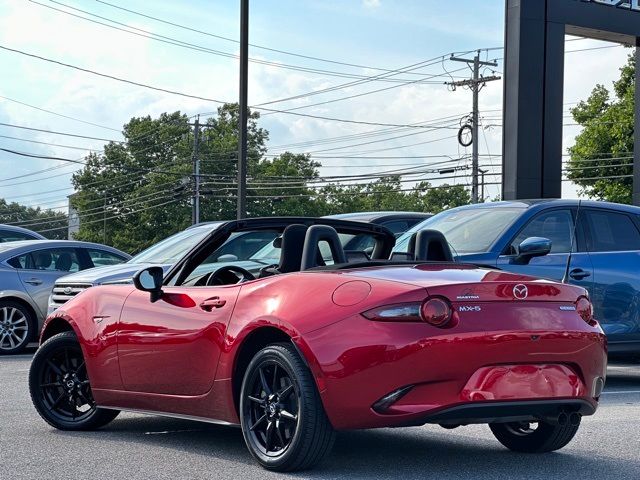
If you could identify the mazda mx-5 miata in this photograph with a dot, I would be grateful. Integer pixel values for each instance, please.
(326, 340)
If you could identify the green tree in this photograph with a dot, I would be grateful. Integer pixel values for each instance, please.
(604, 148)
(389, 193)
(143, 186)
(50, 223)
(436, 199)
(137, 192)
(279, 187)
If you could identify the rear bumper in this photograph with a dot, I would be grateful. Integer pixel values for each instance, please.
(511, 411)
(454, 376)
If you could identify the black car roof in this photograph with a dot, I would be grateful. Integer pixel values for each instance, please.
(379, 217)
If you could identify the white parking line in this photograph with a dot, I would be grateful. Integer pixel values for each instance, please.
(171, 431)
(618, 392)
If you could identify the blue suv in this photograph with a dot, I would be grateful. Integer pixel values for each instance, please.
(511, 236)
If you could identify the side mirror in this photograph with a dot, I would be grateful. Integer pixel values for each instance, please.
(150, 280)
(229, 257)
(532, 247)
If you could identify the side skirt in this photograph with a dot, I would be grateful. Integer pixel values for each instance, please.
(173, 415)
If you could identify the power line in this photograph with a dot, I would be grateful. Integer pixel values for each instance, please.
(182, 44)
(46, 157)
(58, 133)
(262, 47)
(198, 97)
(59, 114)
(71, 147)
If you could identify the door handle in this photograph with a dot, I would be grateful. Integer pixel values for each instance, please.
(579, 274)
(33, 281)
(211, 303)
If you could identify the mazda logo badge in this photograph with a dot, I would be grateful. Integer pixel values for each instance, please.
(520, 292)
(67, 290)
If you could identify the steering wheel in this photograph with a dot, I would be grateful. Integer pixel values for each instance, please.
(229, 275)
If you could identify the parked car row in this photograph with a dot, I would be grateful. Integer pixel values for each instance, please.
(38, 277)
(529, 237)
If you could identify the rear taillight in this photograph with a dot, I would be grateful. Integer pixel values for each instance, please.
(403, 312)
(584, 307)
(436, 311)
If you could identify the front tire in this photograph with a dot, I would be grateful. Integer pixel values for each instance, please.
(525, 438)
(60, 388)
(17, 325)
(283, 421)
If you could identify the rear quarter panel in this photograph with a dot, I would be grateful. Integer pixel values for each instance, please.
(299, 303)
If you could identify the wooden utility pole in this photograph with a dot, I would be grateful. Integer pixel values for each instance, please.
(475, 84)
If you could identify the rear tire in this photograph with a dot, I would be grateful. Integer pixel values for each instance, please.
(17, 326)
(283, 420)
(60, 388)
(521, 437)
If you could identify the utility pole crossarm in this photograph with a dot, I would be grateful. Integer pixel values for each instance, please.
(469, 83)
(468, 60)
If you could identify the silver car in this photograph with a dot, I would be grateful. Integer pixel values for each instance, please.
(12, 233)
(28, 271)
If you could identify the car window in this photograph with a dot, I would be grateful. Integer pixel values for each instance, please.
(242, 246)
(362, 242)
(467, 230)
(9, 236)
(611, 232)
(100, 258)
(397, 226)
(239, 247)
(556, 225)
(49, 259)
(172, 248)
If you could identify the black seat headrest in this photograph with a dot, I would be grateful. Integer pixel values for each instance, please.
(315, 235)
(43, 260)
(430, 245)
(64, 262)
(291, 246)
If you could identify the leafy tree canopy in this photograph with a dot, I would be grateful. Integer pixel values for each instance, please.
(49, 223)
(138, 192)
(604, 148)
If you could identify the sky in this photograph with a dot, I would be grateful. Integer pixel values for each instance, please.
(371, 36)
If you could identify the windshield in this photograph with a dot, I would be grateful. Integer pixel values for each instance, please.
(171, 249)
(468, 230)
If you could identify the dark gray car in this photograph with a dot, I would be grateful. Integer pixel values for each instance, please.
(28, 270)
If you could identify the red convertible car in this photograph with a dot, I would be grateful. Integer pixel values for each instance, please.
(326, 340)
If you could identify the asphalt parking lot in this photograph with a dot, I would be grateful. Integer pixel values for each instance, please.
(149, 447)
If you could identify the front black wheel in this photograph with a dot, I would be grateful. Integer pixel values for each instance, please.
(283, 421)
(538, 437)
(60, 388)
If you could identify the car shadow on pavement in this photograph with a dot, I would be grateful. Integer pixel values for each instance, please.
(385, 453)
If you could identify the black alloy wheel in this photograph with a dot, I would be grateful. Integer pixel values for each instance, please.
(60, 388)
(534, 437)
(283, 420)
(274, 408)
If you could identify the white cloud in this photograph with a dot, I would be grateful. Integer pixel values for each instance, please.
(371, 3)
